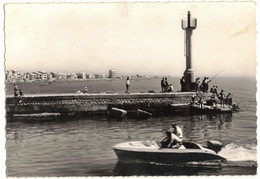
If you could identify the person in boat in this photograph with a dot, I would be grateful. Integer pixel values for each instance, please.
(175, 129)
(182, 82)
(170, 141)
(170, 88)
(127, 85)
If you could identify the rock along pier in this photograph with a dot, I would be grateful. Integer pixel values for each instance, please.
(99, 103)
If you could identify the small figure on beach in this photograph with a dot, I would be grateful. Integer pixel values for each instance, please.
(182, 82)
(15, 91)
(127, 85)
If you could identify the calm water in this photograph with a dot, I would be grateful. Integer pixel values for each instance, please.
(82, 146)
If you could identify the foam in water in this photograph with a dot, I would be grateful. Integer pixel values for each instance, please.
(234, 152)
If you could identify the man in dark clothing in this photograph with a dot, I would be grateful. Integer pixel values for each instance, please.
(162, 85)
(197, 84)
(182, 82)
(222, 97)
(166, 84)
(15, 91)
(204, 84)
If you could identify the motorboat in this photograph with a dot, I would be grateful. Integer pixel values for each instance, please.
(152, 152)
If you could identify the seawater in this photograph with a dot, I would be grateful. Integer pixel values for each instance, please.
(82, 146)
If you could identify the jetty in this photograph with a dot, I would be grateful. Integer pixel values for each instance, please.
(99, 103)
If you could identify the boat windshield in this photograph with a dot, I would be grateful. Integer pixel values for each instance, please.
(191, 145)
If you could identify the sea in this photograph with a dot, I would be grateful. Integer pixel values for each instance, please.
(82, 146)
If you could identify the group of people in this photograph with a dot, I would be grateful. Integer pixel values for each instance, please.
(216, 98)
(204, 86)
(173, 138)
(16, 92)
(222, 97)
(165, 86)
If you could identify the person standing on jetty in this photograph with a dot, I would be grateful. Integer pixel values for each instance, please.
(166, 84)
(197, 84)
(20, 95)
(127, 85)
(207, 84)
(182, 82)
(162, 85)
(15, 91)
(222, 97)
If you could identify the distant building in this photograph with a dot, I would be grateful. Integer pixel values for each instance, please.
(112, 74)
(81, 75)
(90, 76)
(72, 76)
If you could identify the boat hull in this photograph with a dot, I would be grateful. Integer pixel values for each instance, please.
(167, 155)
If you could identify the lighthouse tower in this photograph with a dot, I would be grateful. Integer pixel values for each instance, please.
(188, 25)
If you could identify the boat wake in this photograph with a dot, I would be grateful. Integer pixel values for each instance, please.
(238, 155)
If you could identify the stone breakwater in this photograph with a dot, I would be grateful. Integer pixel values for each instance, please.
(99, 103)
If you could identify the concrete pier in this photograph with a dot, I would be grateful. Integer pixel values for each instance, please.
(98, 103)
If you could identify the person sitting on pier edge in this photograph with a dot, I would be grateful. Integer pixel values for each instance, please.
(170, 89)
(127, 85)
(85, 90)
(222, 97)
(182, 82)
(197, 84)
(162, 85)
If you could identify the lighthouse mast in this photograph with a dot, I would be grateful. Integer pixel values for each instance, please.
(188, 25)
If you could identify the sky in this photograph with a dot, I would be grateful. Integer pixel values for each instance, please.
(133, 38)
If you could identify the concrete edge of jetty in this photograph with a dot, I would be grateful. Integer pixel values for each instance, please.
(99, 103)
